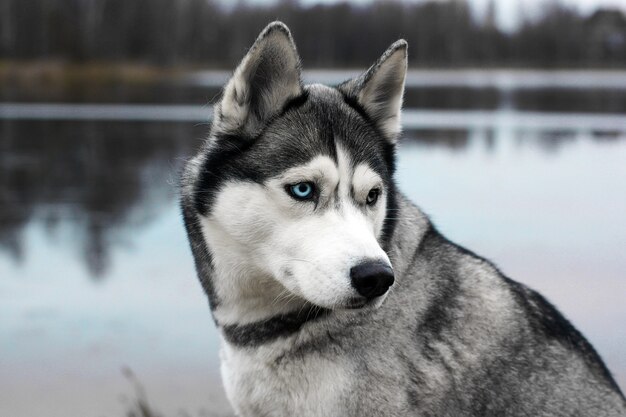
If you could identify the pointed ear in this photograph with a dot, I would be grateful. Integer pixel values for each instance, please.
(265, 80)
(380, 89)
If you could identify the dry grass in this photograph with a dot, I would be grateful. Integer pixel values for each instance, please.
(139, 405)
(63, 73)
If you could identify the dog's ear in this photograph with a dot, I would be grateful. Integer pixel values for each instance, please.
(265, 80)
(380, 89)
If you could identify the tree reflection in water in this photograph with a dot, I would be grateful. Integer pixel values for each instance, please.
(104, 179)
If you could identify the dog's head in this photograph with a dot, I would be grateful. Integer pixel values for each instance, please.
(293, 191)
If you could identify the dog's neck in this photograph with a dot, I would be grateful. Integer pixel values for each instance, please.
(253, 308)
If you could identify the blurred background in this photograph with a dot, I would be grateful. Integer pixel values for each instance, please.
(515, 144)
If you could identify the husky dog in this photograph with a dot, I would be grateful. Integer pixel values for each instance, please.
(336, 296)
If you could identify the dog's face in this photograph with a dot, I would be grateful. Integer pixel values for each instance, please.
(294, 190)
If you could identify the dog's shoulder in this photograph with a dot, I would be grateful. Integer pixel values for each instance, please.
(530, 316)
(549, 324)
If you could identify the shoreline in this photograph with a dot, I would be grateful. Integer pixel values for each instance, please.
(60, 72)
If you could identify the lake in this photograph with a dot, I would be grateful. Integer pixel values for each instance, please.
(97, 281)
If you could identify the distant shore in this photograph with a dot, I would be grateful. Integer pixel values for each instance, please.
(53, 72)
(59, 72)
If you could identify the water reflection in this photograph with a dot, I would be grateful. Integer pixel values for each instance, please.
(454, 98)
(105, 180)
(447, 138)
(531, 99)
(543, 99)
(570, 100)
(112, 91)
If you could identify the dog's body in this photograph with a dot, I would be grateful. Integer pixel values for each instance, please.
(295, 223)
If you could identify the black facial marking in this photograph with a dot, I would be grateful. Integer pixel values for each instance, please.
(380, 154)
(295, 102)
(294, 137)
(211, 176)
(265, 331)
(391, 218)
(356, 106)
(202, 256)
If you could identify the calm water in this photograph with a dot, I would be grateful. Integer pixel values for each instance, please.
(96, 275)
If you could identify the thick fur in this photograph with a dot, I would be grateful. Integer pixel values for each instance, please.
(452, 337)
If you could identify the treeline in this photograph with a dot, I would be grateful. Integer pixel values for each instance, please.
(203, 32)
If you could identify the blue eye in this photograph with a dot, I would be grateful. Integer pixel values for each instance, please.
(301, 190)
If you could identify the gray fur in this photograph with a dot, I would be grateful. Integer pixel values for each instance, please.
(265, 80)
(376, 88)
(454, 337)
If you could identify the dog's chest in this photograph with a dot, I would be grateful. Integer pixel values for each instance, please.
(309, 385)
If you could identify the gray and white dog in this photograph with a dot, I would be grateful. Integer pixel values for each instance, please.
(299, 235)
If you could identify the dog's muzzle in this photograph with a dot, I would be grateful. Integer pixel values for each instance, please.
(371, 279)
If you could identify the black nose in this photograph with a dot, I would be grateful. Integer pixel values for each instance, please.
(371, 279)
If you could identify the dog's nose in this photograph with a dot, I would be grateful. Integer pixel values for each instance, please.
(371, 279)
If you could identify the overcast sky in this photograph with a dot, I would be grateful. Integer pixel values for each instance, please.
(508, 11)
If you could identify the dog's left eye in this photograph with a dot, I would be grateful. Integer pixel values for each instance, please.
(372, 196)
(301, 190)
